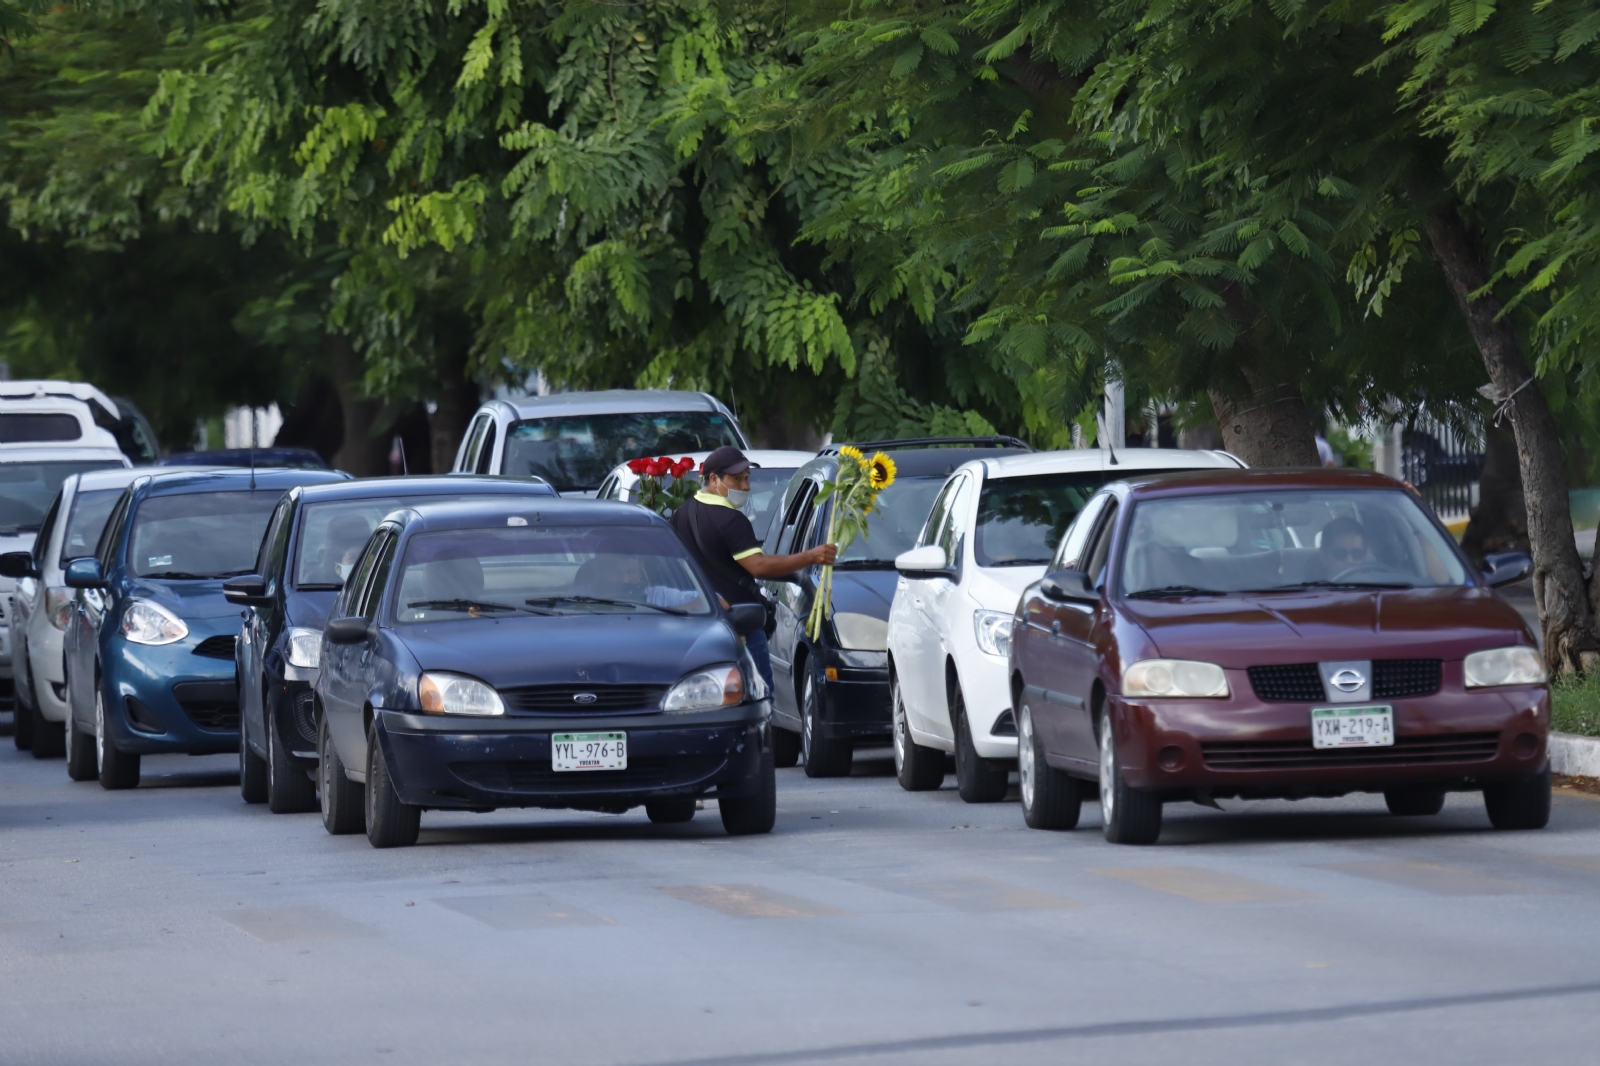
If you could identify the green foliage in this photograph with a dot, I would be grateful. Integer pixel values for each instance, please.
(1575, 705)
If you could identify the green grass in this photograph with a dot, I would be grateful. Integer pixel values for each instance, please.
(1575, 705)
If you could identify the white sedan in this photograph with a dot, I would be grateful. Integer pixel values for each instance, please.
(992, 531)
(766, 484)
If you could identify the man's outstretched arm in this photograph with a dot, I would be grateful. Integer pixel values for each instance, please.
(768, 566)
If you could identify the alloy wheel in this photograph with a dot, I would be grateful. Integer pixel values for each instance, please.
(901, 732)
(1108, 769)
(99, 732)
(1026, 770)
(805, 723)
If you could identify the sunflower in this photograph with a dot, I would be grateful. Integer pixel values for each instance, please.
(880, 471)
(850, 451)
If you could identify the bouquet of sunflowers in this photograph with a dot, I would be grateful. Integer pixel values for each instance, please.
(854, 491)
(655, 491)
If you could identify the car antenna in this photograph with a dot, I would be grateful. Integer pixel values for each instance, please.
(404, 469)
(1106, 436)
(252, 449)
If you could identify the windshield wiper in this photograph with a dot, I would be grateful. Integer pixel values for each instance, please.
(1166, 591)
(183, 575)
(459, 605)
(1334, 585)
(554, 600)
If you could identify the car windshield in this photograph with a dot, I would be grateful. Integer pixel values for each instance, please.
(766, 497)
(576, 453)
(1285, 542)
(87, 519)
(28, 489)
(893, 525)
(332, 535)
(546, 570)
(1021, 519)
(200, 534)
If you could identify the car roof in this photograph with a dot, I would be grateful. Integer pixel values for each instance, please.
(240, 457)
(1129, 461)
(1197, 482)
(21, 453)
(66, 390)
(564, 511)
(121, 478)
(177, 480)
(610, 401)
(923, 462)
(427, 485)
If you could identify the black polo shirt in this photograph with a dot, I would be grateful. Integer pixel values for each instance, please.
(728, 537)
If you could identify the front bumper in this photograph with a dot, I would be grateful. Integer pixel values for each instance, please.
(1243, 747)
(505, 762)
(987, 690)
(168, 699)
(49, 674)
(855, 694)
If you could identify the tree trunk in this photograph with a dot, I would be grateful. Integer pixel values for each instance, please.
(454, 404)
(1269, 426)
(1500, 521)
(362, 453)
(1565, 613)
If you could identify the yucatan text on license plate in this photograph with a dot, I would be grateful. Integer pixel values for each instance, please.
(589, 751)
(1352, 727)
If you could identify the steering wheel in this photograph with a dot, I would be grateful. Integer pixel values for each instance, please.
(1366, 566)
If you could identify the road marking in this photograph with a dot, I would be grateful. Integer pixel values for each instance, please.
(1202, 885)
(1431, 877)
(749, 901)
(979, 894)
(530, 910)
(294, 923)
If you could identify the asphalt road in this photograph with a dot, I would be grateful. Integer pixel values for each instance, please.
(173, 924)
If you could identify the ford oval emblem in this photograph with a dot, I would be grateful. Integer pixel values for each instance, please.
(585, 697)
(1348, 680)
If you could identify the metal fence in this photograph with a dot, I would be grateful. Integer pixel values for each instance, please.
(1443, 465)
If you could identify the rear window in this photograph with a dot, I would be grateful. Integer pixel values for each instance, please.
(200, 534)
(88, 518)
(28, 489)
(22, 428)
(576, 453)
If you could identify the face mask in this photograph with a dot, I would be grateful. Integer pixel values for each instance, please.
(343, 569)
(738, 497)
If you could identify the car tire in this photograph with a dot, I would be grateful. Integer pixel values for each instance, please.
(252, 767)
(1051, 798)
(343, 805)
(49, 739)
(919, 769)
(391, 822)
(1414, 802)
(1131, 816)
(976, 779)
(22, 725)
(825, 757)
(756, 813)
(116, 768)
(80, 752)
(785, 748)
(670, 812)
(289, 788)
(1519, 804)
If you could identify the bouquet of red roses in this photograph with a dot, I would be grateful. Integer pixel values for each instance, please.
(664, 484)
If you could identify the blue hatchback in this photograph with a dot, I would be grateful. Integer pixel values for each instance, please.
(537, 653)
(150, 648)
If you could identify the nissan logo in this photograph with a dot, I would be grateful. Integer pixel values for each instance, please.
(1348, 680)
(588, 697)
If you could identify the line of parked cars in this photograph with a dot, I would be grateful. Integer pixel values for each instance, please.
(1133, 628)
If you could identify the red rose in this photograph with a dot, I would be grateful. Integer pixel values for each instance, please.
(638, 465)
(682, 466)
(656, 467)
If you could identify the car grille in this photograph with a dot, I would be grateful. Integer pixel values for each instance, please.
(561, 699)
(640, 775)
(1394, 679)
(1294, 683)
(1300, 755)
(212, 705)
(216, 647)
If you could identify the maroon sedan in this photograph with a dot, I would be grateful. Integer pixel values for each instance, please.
(1272, 633)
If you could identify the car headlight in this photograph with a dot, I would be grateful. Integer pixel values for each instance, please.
(706, 690)
(1174, 677)
(305, 647)
(58, 605)
(454, 694)
(1505, 666)
(150, 623)
(993, 629)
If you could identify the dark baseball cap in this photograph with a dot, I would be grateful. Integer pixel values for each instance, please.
(727, 460)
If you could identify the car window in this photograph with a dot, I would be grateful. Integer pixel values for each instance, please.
(1021, 519)
(350, 598)
(610, 488)
(941, 508)
(17, 427)
(28, 489)
(485, 450)
(199, 534)
(1096, 566)
(372, 588)
(461, 574)
(576, 452)
(1077, 534)
(113, 531)
(86, 519)
(766, 497)
(276, 543)
(474, 440)
(898, 516)
(1267, 541)
(799, 515)
(332, 534)
(949, 536)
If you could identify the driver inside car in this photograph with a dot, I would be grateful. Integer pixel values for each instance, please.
(1343, 545)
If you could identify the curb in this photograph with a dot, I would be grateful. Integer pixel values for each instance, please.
(1574, 756)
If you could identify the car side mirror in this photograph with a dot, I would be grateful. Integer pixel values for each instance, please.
(247, 590)
(18, 565)
(746, 618)
(85, 573)
(352, 630)
(1069, 586)
(1499, 568)
(926, 561)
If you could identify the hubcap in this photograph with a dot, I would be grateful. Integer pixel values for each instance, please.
(272, 774)
(1025, 767)
(1108, 767)
(900, 738)
(99, 732)
(806, 716)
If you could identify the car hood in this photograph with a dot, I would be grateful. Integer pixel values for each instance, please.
(309, 608)
(998, 588)
(616, 649)
(186, 599)
(1327, 626)
(864, 592)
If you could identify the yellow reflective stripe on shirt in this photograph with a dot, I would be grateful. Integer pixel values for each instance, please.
(746, 555)
(715, 501)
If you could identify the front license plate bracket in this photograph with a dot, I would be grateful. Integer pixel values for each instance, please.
(588, 751)
(1353, 727)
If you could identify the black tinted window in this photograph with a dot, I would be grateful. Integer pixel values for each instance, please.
(21, 428)
(576, 453)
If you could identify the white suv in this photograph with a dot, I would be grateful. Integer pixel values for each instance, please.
(990, 534)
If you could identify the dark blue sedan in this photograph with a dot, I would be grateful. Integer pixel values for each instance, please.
(150, 646)
(529, 653)
(311, 544)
